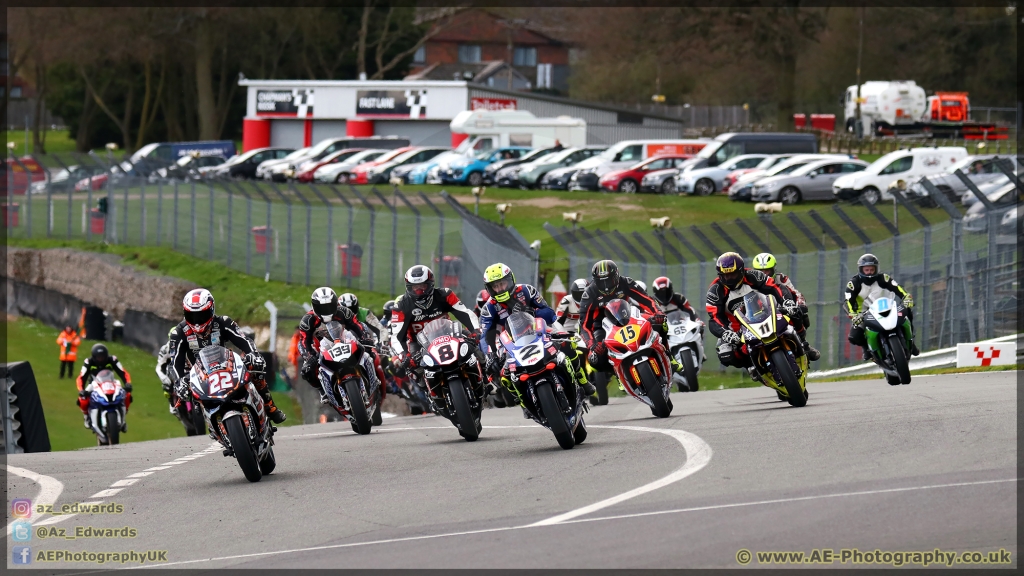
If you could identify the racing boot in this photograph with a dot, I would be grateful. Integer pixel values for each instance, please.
(276, 415)
(754, 375)
(88, 425)
(580, 376)
(812, 352)
(868, 357)
(913, 348)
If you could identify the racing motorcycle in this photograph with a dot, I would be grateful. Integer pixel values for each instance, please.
(686, 344)
(446, 358)
(888, 333)
(348, 378)
(106, 408)
(774, 348)
(539, 374)
(638, 357)
(233, 410)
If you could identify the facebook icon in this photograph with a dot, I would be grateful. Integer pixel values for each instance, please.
(21, 555)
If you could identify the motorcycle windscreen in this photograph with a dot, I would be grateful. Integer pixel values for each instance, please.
(435, 329)
(215, 358)
(521, 326)
(756, 308)
(336, 331)
(675, 317)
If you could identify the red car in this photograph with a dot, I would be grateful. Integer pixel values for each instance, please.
(358, 174)
(628, 180)
(18, 179)
(96, 182)
(309, 168)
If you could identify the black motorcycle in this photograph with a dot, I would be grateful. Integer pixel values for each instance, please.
(449, 361)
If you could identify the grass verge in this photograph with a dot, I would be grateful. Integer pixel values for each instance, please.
(148, 418)
(238, 295)
(928, 371)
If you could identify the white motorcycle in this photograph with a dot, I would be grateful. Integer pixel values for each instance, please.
(686, 344)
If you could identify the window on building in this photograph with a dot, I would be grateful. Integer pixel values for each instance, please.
(16, 92)
(523, 56)
(420, 56)
(469, 53)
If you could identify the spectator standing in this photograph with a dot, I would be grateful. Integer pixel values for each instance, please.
(68, 342)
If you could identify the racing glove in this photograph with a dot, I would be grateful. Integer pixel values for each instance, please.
(730, 337)
(908, 301)
(790, 307)
(857, 320)
(659, 321)
(255, 363)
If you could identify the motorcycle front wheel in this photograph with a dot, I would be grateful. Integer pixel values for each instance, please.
(899, 358)
(243, 450)
(362, 423)
(553, 414)
(464, 418)
(788, 378)
(655, 391)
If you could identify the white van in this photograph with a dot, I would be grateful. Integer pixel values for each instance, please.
(489, 129)
(904, 165)
(627, 153)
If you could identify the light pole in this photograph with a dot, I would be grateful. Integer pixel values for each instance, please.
(858, 125)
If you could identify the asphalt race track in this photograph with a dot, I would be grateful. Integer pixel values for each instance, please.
(864, 465)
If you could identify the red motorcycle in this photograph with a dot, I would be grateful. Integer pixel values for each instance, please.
(638, 356)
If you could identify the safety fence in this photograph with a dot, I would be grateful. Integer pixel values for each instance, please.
(961, 272)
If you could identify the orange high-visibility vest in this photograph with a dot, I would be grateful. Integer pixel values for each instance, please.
(68, 342)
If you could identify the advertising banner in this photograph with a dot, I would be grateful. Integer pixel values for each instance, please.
(392, 103)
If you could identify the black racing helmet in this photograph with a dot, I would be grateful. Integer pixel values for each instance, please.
(99, 355)
(868, 260)
(606, 276)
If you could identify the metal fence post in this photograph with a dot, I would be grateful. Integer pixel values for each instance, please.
(110, 228)
(209, 186)
(192, 205)
(440, 221)
(309, 225)
(373, 220)
(86, 212)
(350, 209)
(142, 210)
(231, 230)
(28, 197)
(174, 240)
(159, 212)
(248, 234)
(820, 304)
(394, 233)
(415, 211)
(330, 232)
(288, 238)
(124, 217)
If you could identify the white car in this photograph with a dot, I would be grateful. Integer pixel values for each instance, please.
(263, 170)
(329, 172)
(872, 184)
(743, 189)
(705, 181)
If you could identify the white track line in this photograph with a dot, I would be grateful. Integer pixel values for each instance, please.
(538, 525)
(698, 454)
(49, 488)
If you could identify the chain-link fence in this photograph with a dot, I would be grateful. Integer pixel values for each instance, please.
(961, 272)
(298, 233)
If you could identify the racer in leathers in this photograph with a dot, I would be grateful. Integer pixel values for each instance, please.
(669, 300)
(421, 303)
(201, 328)
(101, 359)
(507, 297)
(607, 285)
(765, 262)
(481, 298)
(325, 308)
(725, 295)
(863, 289)
(567, 313)
(164, 360)
(364, 315)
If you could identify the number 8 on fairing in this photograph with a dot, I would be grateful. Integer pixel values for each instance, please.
(445, 353)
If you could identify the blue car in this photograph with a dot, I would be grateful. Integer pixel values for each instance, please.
(469, 170)
(417, 173)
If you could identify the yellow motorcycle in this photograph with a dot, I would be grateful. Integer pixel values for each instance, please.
(774, 348)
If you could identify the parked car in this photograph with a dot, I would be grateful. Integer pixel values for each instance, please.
(417, 173)
(263, 169)
(979, 169)
(508, 177)
(986, 188)
(1010, 224)
(18, 179)
(812, 181)
(65, 178)
(492, 169)
(381, 172)
(330, 173)
(470, 169)
(1006, 198)
(558, 179)
(244, 165)
(710, 179)
(358, 174)
(624, 154)
(308, 168)
(871, 184)
(729, 145)
(187, 167)
(743, 189)
(328, 146)
(628, 181)
(531, 173)
(765, 164)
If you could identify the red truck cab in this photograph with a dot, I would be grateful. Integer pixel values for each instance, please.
(948, 107)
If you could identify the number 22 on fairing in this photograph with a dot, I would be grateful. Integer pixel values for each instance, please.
(219, 381)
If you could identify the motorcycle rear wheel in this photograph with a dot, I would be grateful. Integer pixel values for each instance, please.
(789, 379)
(655, 391)
(243, 450)
(362, 423)
(464, 418)
(553, 414)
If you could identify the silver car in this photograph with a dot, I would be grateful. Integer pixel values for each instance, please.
(812, 181)
(979, 169)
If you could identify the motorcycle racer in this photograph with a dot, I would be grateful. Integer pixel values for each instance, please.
(101, 359)
(765, 262)
(865, 288)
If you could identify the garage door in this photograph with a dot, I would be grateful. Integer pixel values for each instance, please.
(419, 133)
(287, 133)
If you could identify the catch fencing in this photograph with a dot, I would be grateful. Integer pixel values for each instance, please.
(961, 273)
(297, 233)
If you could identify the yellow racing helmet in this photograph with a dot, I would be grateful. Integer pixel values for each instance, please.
(499, 281)
(765, 262)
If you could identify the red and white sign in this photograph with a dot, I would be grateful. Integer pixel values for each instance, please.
(986, 354)
(492, 104)
(675, 148)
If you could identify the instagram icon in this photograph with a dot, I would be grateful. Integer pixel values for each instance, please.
(21, 508)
